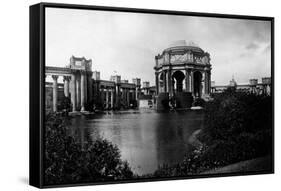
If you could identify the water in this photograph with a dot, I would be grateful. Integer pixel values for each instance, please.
(146, 138)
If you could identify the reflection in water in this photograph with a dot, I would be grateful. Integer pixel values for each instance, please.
(145, 138)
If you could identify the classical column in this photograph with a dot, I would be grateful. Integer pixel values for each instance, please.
(128, 97)
(78, 92)
(112, 98)
(137, 92)
(73, 92)
(124, 95)
(187, 81)
(102, 96)
(83, 91)
(133, 94)
(66, 85)
(170, 83)
(165, 81)
(191, 83)
(117, 95)
(207, 79)
(157, 83)
(203, 83)
(90, 86)
(107, 98)
(55, 92)
(210, 83)
(86, 88)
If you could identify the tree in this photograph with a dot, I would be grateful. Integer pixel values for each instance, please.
(67, 162)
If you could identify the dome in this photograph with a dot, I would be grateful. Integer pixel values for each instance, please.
(178, 43)
(183, 45)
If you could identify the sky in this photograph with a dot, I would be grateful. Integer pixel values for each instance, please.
(127, 43)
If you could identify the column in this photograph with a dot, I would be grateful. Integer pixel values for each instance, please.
(66, 85)
(157, 83)
(134, 93)
(169, 80)
(192, 82)
(86, 89)
(55, 92)
(102, 96)
(128, 97)
(78, 92)
(203, 83)
(73, 92)
(165, 81)
(125, 96)
(112, 98)
(207, 82)
(117, 95)
(121, 95)
(90, 88)
(107, 98)
(82, 91)
(137, 92)
(187, 81)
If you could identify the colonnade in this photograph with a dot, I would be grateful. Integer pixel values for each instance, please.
(189, 81)
(109, 96)
(75, 86)
(125, 95)
(114, 96)
(79, 90)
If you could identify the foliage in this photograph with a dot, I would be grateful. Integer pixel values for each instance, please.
(66, 161)
(64, 104)
(165, 104)
(89, 106)
(238, 126)
(199, 102)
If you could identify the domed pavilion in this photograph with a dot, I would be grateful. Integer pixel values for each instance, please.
(182, 71)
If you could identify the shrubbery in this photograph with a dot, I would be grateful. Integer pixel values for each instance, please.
(67, 162)
(199, 102)
(238, 126)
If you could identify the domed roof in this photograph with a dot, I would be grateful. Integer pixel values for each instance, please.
(183, 45)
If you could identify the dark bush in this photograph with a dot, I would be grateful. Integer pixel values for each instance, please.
(237, 127)
(199, 102)
(64, 104)
(165, 104)
(89, 106)
(66, 161)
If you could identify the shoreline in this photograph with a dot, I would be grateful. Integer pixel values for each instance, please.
(193, 139)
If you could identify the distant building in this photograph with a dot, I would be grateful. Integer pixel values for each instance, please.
(253, 86)
(85, 87)
(147, 97)
(232, 82)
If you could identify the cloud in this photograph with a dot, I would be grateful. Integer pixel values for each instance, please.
(267, 48)
(252, 46)
(128, 42)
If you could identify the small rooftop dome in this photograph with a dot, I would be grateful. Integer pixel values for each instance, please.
(183, 43)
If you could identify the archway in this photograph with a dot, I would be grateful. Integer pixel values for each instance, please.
(178, 76)
(197, 76)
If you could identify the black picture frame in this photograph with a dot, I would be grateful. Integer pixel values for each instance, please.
(37, 90)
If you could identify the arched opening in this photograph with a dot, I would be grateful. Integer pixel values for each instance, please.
(197, 76)
(178, 77)
(161, 82)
